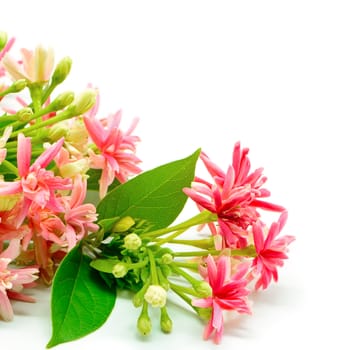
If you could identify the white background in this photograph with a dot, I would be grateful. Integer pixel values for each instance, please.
(274, 75)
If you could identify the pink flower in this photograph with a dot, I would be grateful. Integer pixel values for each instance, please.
(115, 149)
(228, 293)
(270, 251)
(234, 197)
(37, 184)
(12, 281)
(58, 232)
(79, 217)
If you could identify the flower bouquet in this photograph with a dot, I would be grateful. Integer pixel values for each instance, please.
(55, 149)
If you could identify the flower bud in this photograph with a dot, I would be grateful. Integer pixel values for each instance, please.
(3, 40)
(24, 114)
(132, 241)
(18, 85)
(69, 170)
(58, 130)
(123, 224)
(144, 324)
(62, 100)
(203, 289)
(204, 312)
(120, 270)
(166, 324)
(62, 70)
(83, 102)
(167, 259)
(156, 295)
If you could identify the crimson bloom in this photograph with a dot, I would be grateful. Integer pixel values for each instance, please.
(228, 293)
(234, 196)
(271, 251)
(115, 153)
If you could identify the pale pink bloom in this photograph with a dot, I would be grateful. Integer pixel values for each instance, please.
(234, 197)
(116, 149)
(78, 216)
(37, 184)
(271, 251)
(12, 281)
(36, 66)
(4, 51)
(229, 292)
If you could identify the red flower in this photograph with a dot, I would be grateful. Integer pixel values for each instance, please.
(228, 293)
(234, 197)
(270, 251)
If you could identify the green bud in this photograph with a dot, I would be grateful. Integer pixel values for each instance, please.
(62, 100)
(58, 130)
(83, 102)
(204, 312)
(144, 324)
(132, 241)
(120, 270)
(166, 324)
(62, 70)
(167, 259)
(203, 289)
(24, 114)
(3, 40)
(18, 85)
(123, 224)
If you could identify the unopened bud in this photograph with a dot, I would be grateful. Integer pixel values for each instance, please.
(3, 40)
(62, 100)
(204, 312)
(62, 70)
(123, 224)
(58, 130)
(166, 324)
(120, 270)
(144, 324)
(69, 170)
(167, 259)
(83, 102)
(132, 241)
(24, 114)
(156, 296)
(18, 85)
(203, 289)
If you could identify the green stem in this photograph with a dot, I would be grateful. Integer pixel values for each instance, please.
(183, 273)
(197, 253)
(35, 94)
(187, 265)
(203, 217)
(10, 167)
(204, 243)
(58, 118)
(169, 238)
(185, 290)
(153, 267)
(178, 290)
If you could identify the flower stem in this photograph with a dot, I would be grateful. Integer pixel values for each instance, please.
(203, 217)
(153, 267)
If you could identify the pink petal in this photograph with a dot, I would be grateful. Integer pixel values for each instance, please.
(6, 312)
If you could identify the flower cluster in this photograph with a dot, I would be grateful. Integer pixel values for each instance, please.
(54, 148)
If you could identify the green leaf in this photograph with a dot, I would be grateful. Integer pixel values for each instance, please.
(94, 178)
(80, 302)
(155, 195)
